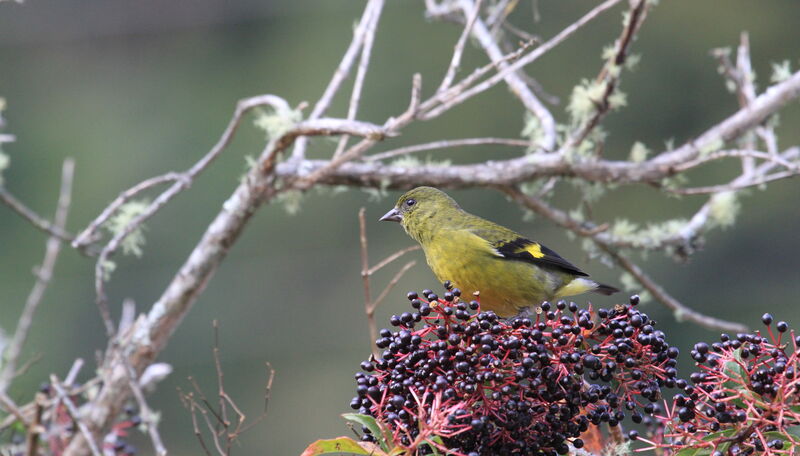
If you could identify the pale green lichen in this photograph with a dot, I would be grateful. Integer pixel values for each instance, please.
(609, 51)
(632, 61)
(277, 121)
(639, 152)
(781, 71)
(410, 161)
(133, 242)
(673, 183)
(723, 209)
(649, 237)
(375, 194)
(584, 99)
(532, 130)
(710, 147)
(592, 191)
(623, 229)
(617, 100)
(577, 214)
(107, 267)
(4, 162)
(290, 200)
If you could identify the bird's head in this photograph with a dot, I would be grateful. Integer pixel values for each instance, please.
(419, 209)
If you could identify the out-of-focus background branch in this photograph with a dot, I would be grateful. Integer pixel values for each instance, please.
(648, 156)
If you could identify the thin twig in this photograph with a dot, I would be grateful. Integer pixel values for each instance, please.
(341, 73)
(147, 414)
(392, 283)
(43, 275)
(62, 395)
(458, 50)
(87, 235)
(35, 219)
(516, 83)
(368, 307)
(361, 73)
(392, 257)
(35, 429)
(446, 143)
(371, 305)
(681, 312)
(522, 61)
(561, 218)
(9, 406)
(733, 186)
(528, 167)
(610, 74)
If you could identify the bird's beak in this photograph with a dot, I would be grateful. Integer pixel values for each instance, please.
(391, 216)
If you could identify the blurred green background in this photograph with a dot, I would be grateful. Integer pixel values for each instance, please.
(134, 89)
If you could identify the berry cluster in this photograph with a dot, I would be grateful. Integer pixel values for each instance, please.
(745, 398)
(470, 383)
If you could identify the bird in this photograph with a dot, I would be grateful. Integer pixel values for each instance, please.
(509, 272)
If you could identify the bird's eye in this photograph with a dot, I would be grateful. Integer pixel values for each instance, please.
(410, 202)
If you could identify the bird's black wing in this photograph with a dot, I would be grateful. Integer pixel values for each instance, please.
(532, 252)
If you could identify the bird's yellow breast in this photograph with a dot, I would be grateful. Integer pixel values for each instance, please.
(472, 264)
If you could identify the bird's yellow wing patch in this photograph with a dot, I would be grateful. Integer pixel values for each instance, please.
(534, 249)
(532, 252)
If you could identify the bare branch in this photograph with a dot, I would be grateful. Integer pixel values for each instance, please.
(524, 60)
(516, 170)
(681, 312)
(517, 85)
(43, 275)
(37, 221)
(561, 218)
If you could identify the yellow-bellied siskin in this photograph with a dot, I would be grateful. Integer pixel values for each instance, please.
(511, 273)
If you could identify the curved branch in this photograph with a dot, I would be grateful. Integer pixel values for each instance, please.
(513, 171)
(681, 311)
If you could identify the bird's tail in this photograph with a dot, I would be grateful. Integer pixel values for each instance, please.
(604, 289)
(582, 285)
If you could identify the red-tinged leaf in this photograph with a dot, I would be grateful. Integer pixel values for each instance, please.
(342, 445)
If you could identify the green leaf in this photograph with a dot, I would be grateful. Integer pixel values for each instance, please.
(738, 375)
(341, 445)
(373, 426)
(694, 452)
(706, 451)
